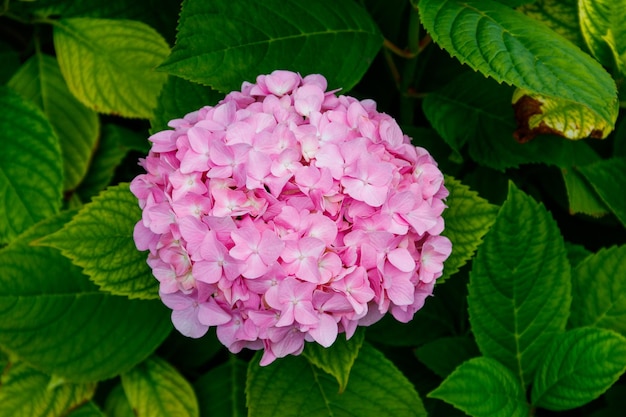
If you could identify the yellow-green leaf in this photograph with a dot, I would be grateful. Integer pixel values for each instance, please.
(538, 114)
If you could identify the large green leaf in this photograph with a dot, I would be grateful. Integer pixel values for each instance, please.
(337, 359)
(602, 26)
(468, 217)
(31, 173)
(178, 98)
(292, 386)
(599, 290)
(483, 387)
(221, 391)
(100, 240)
(108, 64)
(559, 15)
(76, 126)
(154, 388)
(520, 289)
(578, 367)
(518, 50)
(27, 392)
(222, 43)
(608, 179)
(56, 319)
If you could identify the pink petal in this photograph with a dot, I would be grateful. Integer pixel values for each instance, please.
(401, 258)
(211, 314)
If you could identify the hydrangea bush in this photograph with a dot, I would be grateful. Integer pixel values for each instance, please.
(415, 210)
(285, 213)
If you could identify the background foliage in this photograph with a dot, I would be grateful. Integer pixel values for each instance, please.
(510, 97)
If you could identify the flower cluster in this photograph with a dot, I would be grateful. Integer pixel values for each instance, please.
(286, 214)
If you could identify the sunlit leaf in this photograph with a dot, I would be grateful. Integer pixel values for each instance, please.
(25, 391)
(154, 388)
(559, 15)
(602, 25)
(537, 114)
(108, 64)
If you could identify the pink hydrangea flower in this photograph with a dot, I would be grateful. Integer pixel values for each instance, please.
(286, 214)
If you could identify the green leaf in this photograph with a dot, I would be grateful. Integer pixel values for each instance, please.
(520, 289)
(154, 388)
(26, 392)
(518, 50)
(56, 319)
(602, 26)
(100, 240)
(476, 112)
(559, 15)
(579, 366)
(338, 359)
(223, 43)
(537, 114)
(76, 126)
(292, 386)
(599, 291)
(483, 387)
(221, 391)
(443, 355)
(576, 254)
(108, 64)
(116, 404)
(178, 98)
(471, 105)
(581, 196)
(468, 217)
(89, 409)
(114, 145)
(28, 141)
(608, 179)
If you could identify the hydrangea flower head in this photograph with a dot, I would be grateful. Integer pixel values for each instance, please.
(286, 213)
